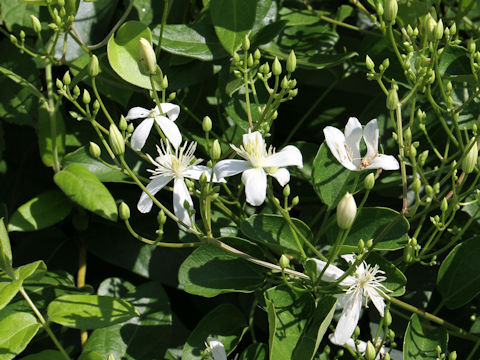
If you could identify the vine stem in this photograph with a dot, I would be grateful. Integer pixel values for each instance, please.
(52, 117)
(401, 151)
(44, 324)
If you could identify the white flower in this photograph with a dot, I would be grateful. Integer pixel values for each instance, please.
(166, 123)
(361, 346)
(174, 166)
(257, 164)
(364, 284)
(217, 348)
(346, 147)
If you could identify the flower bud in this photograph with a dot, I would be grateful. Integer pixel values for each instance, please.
(86, 97)
(276, 67)
(370, 352)
(13, 39)
(438, 33)
(430, 25)
(250, 61)
(453, 29)
(380, 9)
(408, 254)
(444, 205)
(392, 98)
(416, 185)
(172, 96)
(369, 63)
(111, 357)
(369, 243)
(369, 181)
(361, 246)
(470, 160)
(390, 11)
(96, 105)
(265, 68)
(452, 355)
(356, 332)
(284, 261)
(147, 56)
(59, 83)
(284, 83)
(286, 190)
(246, 43)
(387, 318)
(291, 62)
(37, 26)
(161, 218)
(66, 78)
(76, 92)
(164, 82)
(295, 201)
(471, 46)
(122, 125)
(94, 150)
(116, 140)
(123, 211)
(386, 356)
(203, 179)
(93, 67)
(216, 150)
(130, 128)
(207, 124)
(346, 211)
(257, 55)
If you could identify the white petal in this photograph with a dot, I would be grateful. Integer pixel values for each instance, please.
(332, 273)
(230, 167)
(370, 135)
(288, 156)
(255, 181)
(282, 175)
(385, 162)
(180, 194)
(140, 135)
(336, 143)
(171, 110)
(349, 318)
(349, 258)
(170, 129)
(353, 136)
(195, 171)
(377, 300)
(218, 350)
(145, 203)
(137, 113)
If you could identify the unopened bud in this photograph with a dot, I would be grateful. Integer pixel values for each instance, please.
(203, 179)
(453, 29)
(207, 124)
(286, 190)
(408, 254)
(122, 124)
(284, 83)
(284, 261)
(369, 181)
(430, 25)
(407, 135)
(265, 68)
(346, 211)
(470, 160)
(257, 55)
(250, 61)
(216, 150)
(246, 43)
(380, 9)
(471, 46)
(361, 245)
(37, 26)
(86, 97)
(386, 356)
(387, 318)
(276, 67)
(123, 211)
(130, 128)
(452, 355)
(161, 217)
(164, 83)
(116, 140)
(93, 67)
(369, 63)
(76, 92)
(370, 352)
(291, 62)
(147, 56)
(391, 9)
(439, 30)
(392, 98)
(295, 201)
(416, 185)
(66, 78)
(96, 105)
(444, 205)
(94, 150)
(111, 357)
(59, 83)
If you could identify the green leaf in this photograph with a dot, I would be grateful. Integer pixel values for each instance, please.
(124, 54)
(5, 250)
(232, 19)
(330, 179)
(396, 280)
(210, 271)
(89, 311)
(275, 232)
(421, 340)
(296, 17)
(42, 211)
(288, 315)
(33, 271)
(458, 277)
(225, 322)
(91, 355)
(45, 355)
(8, 290)
(82, 187)
(193, 40)
(144, 337)
(258, 351)
(16, 331)
(369, 223)
(16, 15)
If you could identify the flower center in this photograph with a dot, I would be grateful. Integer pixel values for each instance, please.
(254, 150)
(174, 164)
(154, 113)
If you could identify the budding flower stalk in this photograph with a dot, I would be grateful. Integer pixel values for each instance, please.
(116, 140)
(147, 56)
(470, 160)
(390, 11)
(291, 62)
(346, 211)
(93, 67)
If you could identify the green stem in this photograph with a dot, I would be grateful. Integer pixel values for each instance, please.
(51, 114)
(164, 20)
(97, 95)
(401, 152)
(247, 88)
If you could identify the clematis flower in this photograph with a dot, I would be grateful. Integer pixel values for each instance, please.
(174, 166)
(217, 349)
(346, 147)
(364, 284)
(166, 123)
(257, 164)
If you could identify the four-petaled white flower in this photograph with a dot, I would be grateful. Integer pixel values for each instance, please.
(174, 166)
(346, 147)
(364, 284)
(257, 164)
(217, 349)
(166, 123)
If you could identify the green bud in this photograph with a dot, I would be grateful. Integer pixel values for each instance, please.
(93, 67)
(161, 217)
(429, 189)
(340, 353)
(409, 30)
(416, 185)
(284, 262)
(86, 97)
(360, 247)
(66, 78)
(291, 62)
(356, 332)
(236, 58)
(369, 181)
(452, 355)
(111, 357)
(423, 158)
(22, 35)
(172, 96)
(453, 29)
(391, 9)
(470, 160)
(130, 128)
(346, 211)
(391, 334)
(387, 318)
(76, 92)
(37, 26)
(392, 98)
(408, 254)
(370, 352)
(216, 150)
(94, 150)
(430, 25)
(380, 9)
(96, 105)
(386, 356)
(369, 63)
(286, 190)
(147, 56)
(471, 46)
(413, 151)
(369, 243)
(265, 68)
(122, 125)
(164, 83)
(407, 135)
(59, 83)
(203, 179)
(123, 211)
(207, 124)
(295, 201)
(257, 55)
(292, 83)
(246, 43)
(438, 33)
(293, 93)
(13, 39)
(284, 83)
(444, 205)
(449, 86)
(116, 140)
(250, 60)
(276, 67)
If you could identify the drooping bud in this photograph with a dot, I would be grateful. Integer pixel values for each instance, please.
(94, 150)
(123, 211)
(370, 352)
(392, 98)
(93, 67)
(207, 124)
(37, 26)
(246, 43)
(116, 140)
(216, 150)
(122, 124)
(369, 181)
(369, 63)
(283, 261)
(276, 67)
(470, 160)
(390, 11)
(291, 62)
(346, 211)
(147, 56)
